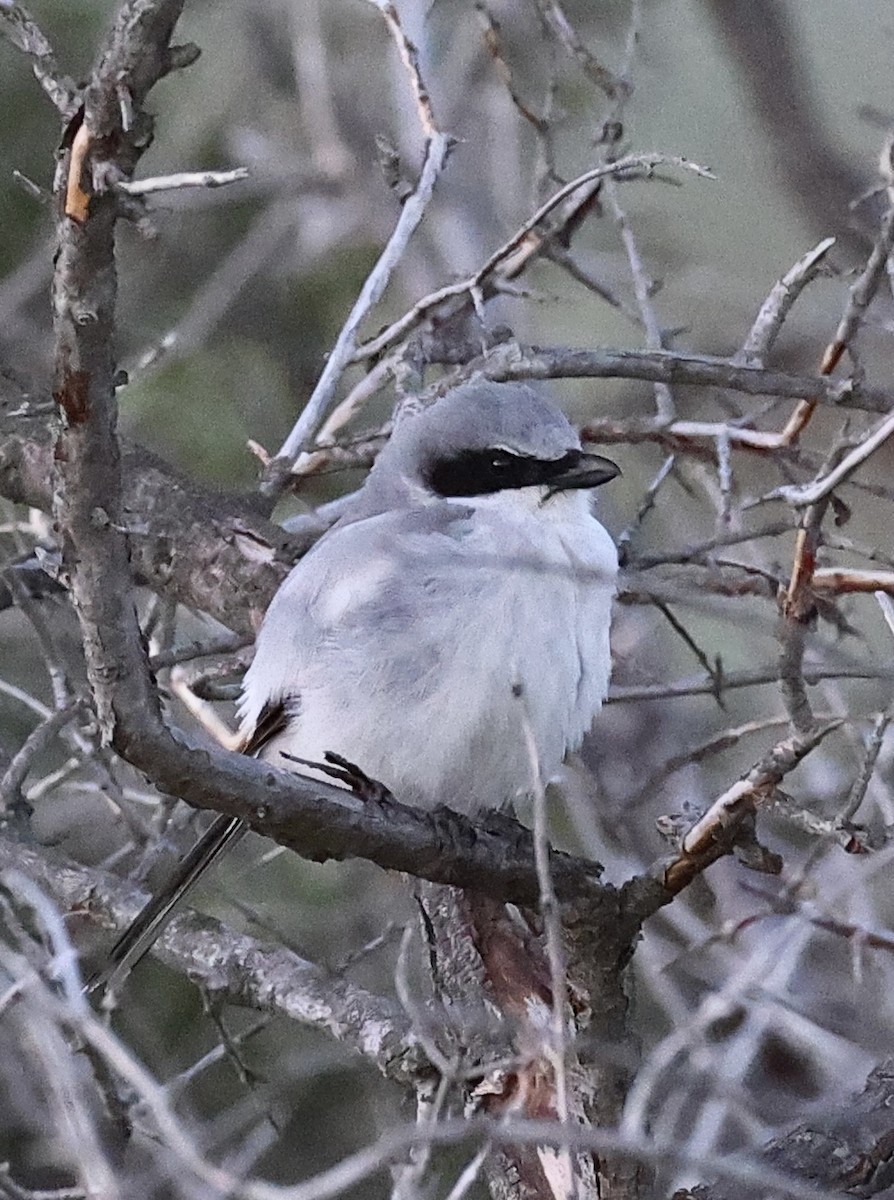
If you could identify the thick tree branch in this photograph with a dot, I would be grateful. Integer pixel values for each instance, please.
(850, 1148)
(237, 968)
(205, 549)
(513, 362)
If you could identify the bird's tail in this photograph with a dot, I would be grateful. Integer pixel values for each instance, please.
(139, 936)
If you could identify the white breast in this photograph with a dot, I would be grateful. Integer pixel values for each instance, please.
(433, 660)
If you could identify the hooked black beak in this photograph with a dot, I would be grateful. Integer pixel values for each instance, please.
(578, 469)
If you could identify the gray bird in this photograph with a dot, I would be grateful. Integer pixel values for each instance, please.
(450, 635)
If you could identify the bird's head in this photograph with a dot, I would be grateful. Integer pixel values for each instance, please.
(484, 439)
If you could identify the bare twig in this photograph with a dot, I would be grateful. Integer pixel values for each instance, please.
(556, 20)
(646, 504)
(769, 321)
(314, 76)
(512, 361)
(798, 605)
(437, 149)
(343, 352)
(792, 637)
(861, 294)
(843, 581)
(642, 287)
(701, 552)
(410, 59)
(717, 743)
(631, 167)
(568, 262)
(491, 34)
(861, 784)
(714, 670)
(14, 776)
(186, 179)
(732, 680)
(810, 493)
(552, 927)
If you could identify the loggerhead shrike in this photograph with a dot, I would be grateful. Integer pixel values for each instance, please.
(455, 618)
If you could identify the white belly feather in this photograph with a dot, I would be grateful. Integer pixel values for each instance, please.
(430, 662)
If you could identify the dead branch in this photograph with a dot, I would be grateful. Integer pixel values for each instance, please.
(715, 833)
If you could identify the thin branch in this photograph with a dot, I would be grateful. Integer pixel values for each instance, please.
(819, 489)
(343, 351)
(557, 254)
(715, 833)
(714, 670)
(512, 361)
(844, 581)
(768, 323)
(732, 680)
(186, 179)
(552, 929)
(438, 146)
(491, 37)
(646, 505)
(861, 784)
(556, 20)
(798, 603)
(632, 167)
(22, 697)
(14, 776)
(700, 553)
(792, 633)
(861, 294)
(642, 287)
(409, 56)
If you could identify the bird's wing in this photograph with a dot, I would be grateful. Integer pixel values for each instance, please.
(273, 720)
(352, 588)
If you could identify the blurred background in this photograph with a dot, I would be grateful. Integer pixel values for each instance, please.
(231, 298)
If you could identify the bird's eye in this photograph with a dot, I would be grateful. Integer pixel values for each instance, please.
(482, 472)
